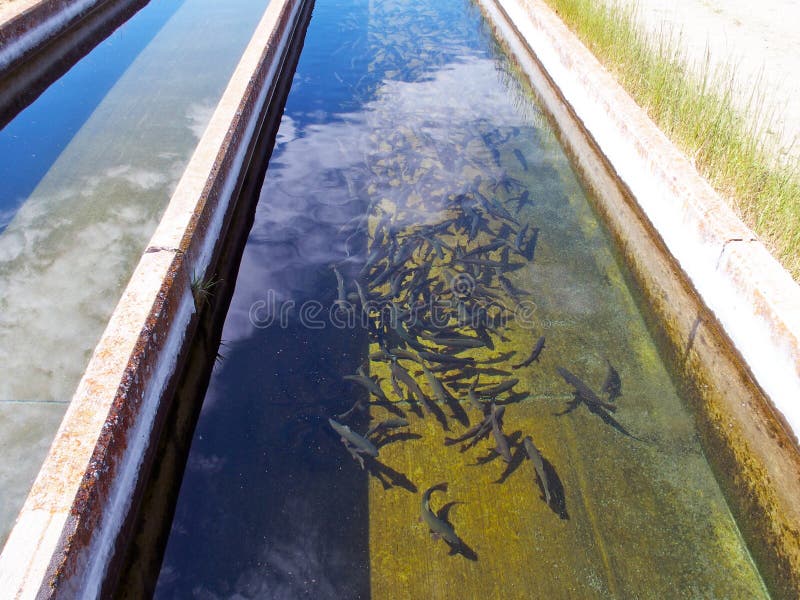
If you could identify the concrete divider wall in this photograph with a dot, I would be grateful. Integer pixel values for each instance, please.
(729, 312)
(69, 532)
(25, 25)
(40, 40)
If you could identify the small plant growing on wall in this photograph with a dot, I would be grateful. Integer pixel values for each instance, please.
(202, 289)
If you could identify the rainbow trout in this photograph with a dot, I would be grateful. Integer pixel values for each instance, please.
(439, 527)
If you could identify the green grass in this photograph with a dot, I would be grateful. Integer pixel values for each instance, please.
(730, 146)
(202, 290)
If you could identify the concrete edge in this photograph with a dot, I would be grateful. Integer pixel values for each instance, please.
(67, 532)
(58, 48)
(754, 297)
(27, 31)
(729, 311)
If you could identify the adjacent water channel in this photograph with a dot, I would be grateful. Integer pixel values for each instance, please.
(86, 172)
(421, 231)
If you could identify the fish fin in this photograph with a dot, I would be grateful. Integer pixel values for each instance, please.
(435, 536)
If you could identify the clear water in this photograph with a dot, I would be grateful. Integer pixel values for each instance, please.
(86, 172)
(404, 116)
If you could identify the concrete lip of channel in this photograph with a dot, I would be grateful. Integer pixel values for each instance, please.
(68, 533)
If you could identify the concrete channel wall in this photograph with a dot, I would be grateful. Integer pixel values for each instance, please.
(74, 523)
(40, 40)
(729, 312)
(26, 26)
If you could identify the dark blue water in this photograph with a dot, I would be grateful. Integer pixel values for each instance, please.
(407, 127)
(31, 142)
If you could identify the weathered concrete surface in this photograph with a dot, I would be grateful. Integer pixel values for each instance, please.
(730, 312)
(67, 534)
(77, 236)
(40, 40)
(26, 25)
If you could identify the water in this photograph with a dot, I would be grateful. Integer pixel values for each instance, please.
(87, 171)
(404, 116)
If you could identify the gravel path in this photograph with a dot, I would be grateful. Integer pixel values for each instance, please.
(761, 40)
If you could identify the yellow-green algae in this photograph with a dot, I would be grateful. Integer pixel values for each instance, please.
(645, 518)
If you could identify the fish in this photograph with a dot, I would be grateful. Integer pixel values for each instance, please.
(523, 199)
(359, 404)
(476, 429)
(538, 465)
(402, 375)
(473, 397)
(437, 245)
(402, 353)
(460, 342)
(499, 389)
(439, 527)
(509, 288)
(486, 427)
(377, 253)
(612, 386)
(481, 262)
(595, 405)
(520, 237)
(583, 391)
(445, 358)
(405, 335)
(395, 423)
(342, 297)
(362, 296)
(436, 385)
(530, 247)
(474, 224)
(397, 281)
(500, 439)
(395, 386)
(521, 159)
(534, 356)
(369, 384)
(356, 444)
(485, 249)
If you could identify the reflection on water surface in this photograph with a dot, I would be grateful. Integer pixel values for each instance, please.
(499, 391)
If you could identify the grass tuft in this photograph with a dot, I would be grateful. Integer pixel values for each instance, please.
(731, 147)
(202, 290)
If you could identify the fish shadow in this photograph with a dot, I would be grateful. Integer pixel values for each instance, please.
(387, 476)
(438, 414)
(513, 441)
(493, 372)
(457, 411)
(390, 407)
(606, 417)
(414, 406)
(558, 499)
(517, 458)
(600, 412)
(461, 548)
(402, 436)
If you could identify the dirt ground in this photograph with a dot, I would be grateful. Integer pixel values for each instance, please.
(760, 40)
